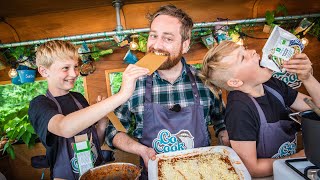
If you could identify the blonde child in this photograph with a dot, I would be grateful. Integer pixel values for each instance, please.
(60, 115)
(257, 107)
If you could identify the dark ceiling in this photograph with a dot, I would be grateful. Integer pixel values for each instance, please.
(21, 8)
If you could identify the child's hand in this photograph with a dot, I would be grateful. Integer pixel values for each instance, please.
(129, 78)
(99, 98)
(300, 64)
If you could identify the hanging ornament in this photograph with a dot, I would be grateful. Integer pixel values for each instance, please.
(133, 45)
(84, 52)
(130, 58)
(88, 67)
(208, 40)
(221, 32)
(96, 53)
(303, 25)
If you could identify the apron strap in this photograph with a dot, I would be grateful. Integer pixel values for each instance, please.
(195, 91)
(275, 93)
(148, 92)
(262, 116)
(50, 96)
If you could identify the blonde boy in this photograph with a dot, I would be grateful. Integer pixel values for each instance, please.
(62, 114)
(256, 113)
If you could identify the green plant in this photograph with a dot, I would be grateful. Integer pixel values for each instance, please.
(270, 15)
(315, 29)
(116, 80)
(14, 121)
(18, 128)
(143, 38)
(20, 52)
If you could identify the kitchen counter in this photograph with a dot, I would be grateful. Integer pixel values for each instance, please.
(282, 171)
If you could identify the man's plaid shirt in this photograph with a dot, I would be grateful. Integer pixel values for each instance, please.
(167, 94)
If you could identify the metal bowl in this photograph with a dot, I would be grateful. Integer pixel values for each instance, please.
(115, 171)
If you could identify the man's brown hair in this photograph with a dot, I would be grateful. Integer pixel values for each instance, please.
(184, 18)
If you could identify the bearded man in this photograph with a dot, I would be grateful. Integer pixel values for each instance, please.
(171, 101)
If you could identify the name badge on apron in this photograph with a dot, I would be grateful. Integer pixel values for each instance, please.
(83, 154)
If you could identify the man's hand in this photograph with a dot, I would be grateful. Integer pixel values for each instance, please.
(223, 138)
(300, 64)
(146, 154)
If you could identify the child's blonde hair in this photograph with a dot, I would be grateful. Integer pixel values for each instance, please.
(215, 73)
(54, 50)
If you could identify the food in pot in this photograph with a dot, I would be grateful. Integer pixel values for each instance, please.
(200, 166)
(113, 171)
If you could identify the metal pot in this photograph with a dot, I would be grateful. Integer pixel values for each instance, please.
(114, 171)
(310, 124)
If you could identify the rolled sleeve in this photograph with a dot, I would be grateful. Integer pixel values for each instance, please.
(217, 113)
(110, 133)
(123, 114)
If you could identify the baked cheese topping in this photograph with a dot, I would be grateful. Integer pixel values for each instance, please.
(202, 166)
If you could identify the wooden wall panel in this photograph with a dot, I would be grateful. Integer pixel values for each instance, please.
(99, 18)
(65, 24)
(294, 7)
(200, 11)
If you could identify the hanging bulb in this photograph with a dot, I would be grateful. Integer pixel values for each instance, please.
(13, 73)
(304, 41)
(240, 42)
(133, 46)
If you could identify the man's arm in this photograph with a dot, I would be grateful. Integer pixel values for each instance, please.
(101, 129)
(217, 114)
(101, 125)
(123, 142)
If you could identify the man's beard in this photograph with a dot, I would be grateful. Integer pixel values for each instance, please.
(171, 61)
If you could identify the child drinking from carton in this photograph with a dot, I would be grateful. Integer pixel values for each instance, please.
(257, 109)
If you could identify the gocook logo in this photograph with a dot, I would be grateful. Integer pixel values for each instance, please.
(286, 149)
(167, 142)
(289, 78)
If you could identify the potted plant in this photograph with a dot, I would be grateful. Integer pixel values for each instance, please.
(15, 127)
(26, 68)
(270, 17)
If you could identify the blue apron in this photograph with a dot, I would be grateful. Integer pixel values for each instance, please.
(274, 139)
(66, 165)
(168, 130)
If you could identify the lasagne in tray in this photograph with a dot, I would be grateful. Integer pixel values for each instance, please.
(215, 162)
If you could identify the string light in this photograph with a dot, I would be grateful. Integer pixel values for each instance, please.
(13, 73)
(133, 45)
(240, 42)
(304, 41)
